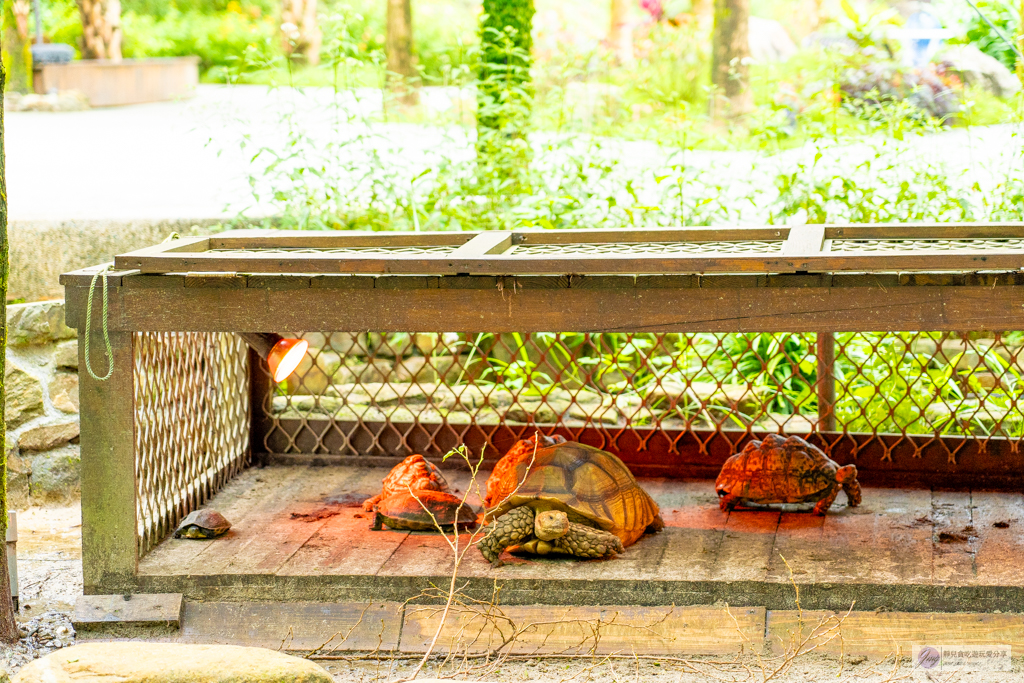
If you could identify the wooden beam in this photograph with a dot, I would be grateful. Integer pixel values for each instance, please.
(520, 307)
(624, 264)
(109, 544)
(804, 240)
(485, 243)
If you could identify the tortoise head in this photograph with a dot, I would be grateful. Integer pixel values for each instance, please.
(551, 524)
(845, 474)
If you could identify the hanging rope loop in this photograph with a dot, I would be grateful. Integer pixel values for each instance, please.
(106, 333)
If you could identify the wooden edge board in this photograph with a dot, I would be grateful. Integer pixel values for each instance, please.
(925, 231)
(627, 264)
(175, 246)
(141, 609)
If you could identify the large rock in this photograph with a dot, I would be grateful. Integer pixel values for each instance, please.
(769, 41)
(41, 322)
(24, 399)
(66, 356)
(64, 392)
(976, 68)
(137, 662)
(57, 471)
(45, 437)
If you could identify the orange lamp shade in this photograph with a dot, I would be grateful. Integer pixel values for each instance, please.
(282, 355)
(285, 356)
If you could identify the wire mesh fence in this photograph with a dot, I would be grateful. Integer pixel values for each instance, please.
(371, 394)
(191, 424)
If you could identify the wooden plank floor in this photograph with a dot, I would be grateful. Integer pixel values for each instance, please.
(299, 534)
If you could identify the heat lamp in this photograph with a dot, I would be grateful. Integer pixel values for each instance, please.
(282, 355)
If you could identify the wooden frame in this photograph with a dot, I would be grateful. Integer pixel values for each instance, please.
(800, 249)
(182, 286)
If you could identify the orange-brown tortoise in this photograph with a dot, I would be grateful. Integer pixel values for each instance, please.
(573, 499)
(415, 495)
(501, 483)
(785, 470)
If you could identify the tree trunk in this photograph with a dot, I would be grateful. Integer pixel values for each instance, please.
(620, 38)
(15, 47)
(398, 46)
(730, 55)
(301, 31)
(101, 29)
(8, 627)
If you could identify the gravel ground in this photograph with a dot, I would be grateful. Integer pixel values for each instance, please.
(50, 579)
(808, 668)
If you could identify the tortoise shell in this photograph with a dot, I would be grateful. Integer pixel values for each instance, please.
(592, 486)
(778, 470)
(416, 473)
(501, 484)
(406, 510)
(202, 524)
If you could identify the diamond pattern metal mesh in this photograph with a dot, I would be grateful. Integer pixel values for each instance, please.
(738, 247)
(928, 245)
(191, 424)
(368, 394)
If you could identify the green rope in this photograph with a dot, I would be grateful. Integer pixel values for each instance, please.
(106, 333)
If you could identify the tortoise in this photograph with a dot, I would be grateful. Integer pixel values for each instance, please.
(574, 499)
(422, 510)
(202, 524)
(785, 470)
(500, 485)
(416, 473)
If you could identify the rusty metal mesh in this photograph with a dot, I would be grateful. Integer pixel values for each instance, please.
(191, 424)
(368, 394)
(979, 244)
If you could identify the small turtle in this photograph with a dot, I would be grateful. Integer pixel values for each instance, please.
(422, 510)
(500, 485)
(573, 499)
(202, 524)
(416, 473)
(780, 470)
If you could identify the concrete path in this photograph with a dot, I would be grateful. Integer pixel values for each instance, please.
(185, 159)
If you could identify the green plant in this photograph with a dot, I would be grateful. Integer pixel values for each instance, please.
(1006, 17)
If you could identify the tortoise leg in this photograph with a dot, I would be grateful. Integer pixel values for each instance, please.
(852, 489)
(728, 502)
(585, 541)
(378, 522)
(369, 503)
(847, 476)
(512, 528)
(825, 503)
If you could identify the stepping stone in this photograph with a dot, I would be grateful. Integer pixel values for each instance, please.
(137, 662)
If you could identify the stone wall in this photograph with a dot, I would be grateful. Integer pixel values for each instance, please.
(41, 407)
(42, 250)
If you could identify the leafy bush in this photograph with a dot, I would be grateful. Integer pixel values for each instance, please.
(1005, 16)
(217, 39)
(931, 92)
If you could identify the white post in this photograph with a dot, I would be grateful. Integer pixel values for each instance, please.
(12, 554)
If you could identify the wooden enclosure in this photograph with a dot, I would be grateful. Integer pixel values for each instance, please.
(425, 341)
(109, 83)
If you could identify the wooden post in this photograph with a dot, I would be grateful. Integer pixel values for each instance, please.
(826, 388)
(260, 423)
(109, 526)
